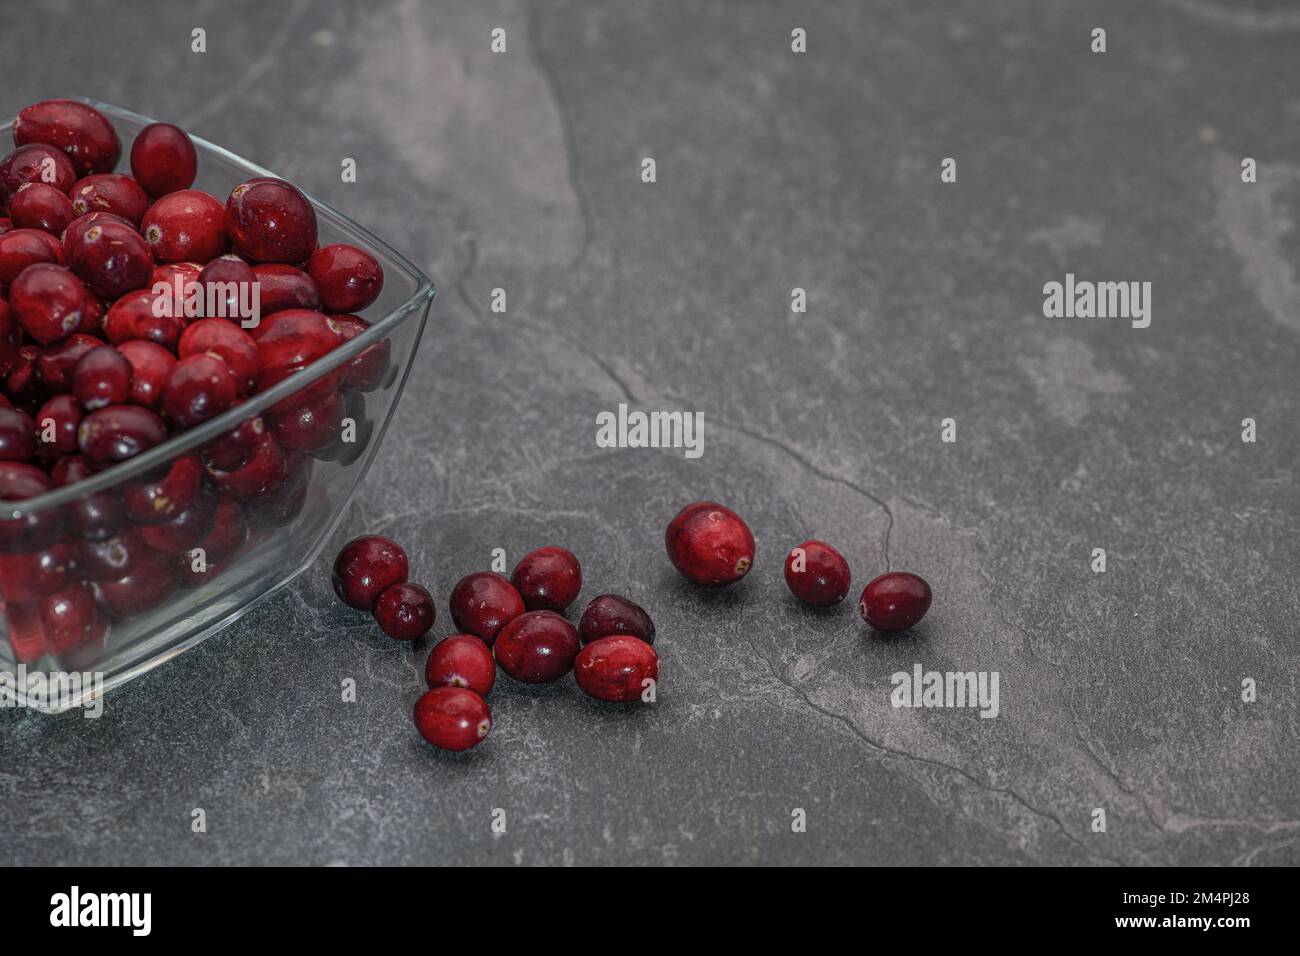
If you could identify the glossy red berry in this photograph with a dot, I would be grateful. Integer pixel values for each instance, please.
(56, 427)
(895, 601)
(163, 159)
(269, 220)
(18, 482)
(186, 528)
(57, 362)
(78, 129)
(616, 668)
(108, 255)
(817, 574)
(110, 192)
(309, 423)
(119, 432)
(40, 206)
(227, 341)
(162, 494)
(17, 435)
(102, 377)
(261, 472)
(709, 544)
(289, 341)
(349, 278)
(228, 289)
(35, 163)
(405, 611)
(151, 366)
(47, 301)
(282, 287)
(452, 718)
(143, 316)
(371, 369)
(537, 647)
(548, 579)
(96, 516)
(609, 614)
(71, 618)
(461, 660)
(365, 568)
(198, 388)
(484, 602)
(151, 582)
(188, 225)
(20, 248)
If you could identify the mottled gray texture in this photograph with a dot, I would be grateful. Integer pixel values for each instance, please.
(775, 170)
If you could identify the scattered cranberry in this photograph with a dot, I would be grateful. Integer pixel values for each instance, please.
(110, 192)
(268, 220)
(349, 278)
(47, 301)
(119, 432)
(36, 163)
(548, 579)
(151, 366)
(163, 494)
(78, 129)
(21, 248)
(462, 660)
(537, 647)
(452, 718)
(40, 206)
(610, 614)
(895, 601)
(186, 225)
(709, 544)
(405, 611)
(102, 377)
(281, 287)
(163, 159)
(199, 387)
(108, 255)
(817, 574)
(17, 435)
(365, 568)
(616, 668)
(484, 602)
(56, 427)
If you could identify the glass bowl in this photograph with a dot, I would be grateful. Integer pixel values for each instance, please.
(168, 602)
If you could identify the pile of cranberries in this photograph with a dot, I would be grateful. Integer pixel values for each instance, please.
(124, 319)
(514, 623)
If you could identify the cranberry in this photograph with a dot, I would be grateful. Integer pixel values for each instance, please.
(350, 443)
(461, 660)
(186, 225)
(817, 574)
(309, 425)
(288, 342)
(119, 432)
(349, 278)
(179, 281)
(56, 427)
(548, 579)
(189, 527)
(616, 668)
(151, 582)
(35, 163)
(229, 531)
(228, 284)
(80, 130)
(452, 718)
(22, 382)
(163, 494)
(47, 301)
(270, 221)
(405, 611)
(262, 472)
(234, 448)
(365, 568)
(230, 343)
(96, 516)
(21, 248)
(108, 255)
(709, 544)
(57, 363)
(281, 287)
(371, 369)
(29, 575)
(17, 435)
(483, 603)
(71, 618)
(151, 366)
(110, 192)
(610, 614)
(136, 316)
(537, 647)
(40, 206)
(26, 635)
(199, 387)
(18, 482)
(107, 559)
(102, 377)
(894, 601)
(163, 159)
(283, 504)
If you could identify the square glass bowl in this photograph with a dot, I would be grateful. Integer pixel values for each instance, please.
(167, 603)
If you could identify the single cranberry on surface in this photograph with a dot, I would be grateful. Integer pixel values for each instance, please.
(47, 300)
(163, 159)
(188, 225)
(108, 255)
(142, 316)
(537, 647)
(18, 482)
(162, 494)
(616, 668)
(366, 567)
(102, 377)
(548, 579)
(17, 435)
(709, 544)
(349, 278)
(56, 427)
(609, 614)
(35, 163)
(78, 129)
(452, 718)
(109, 192)
(461, 660)
(118, 432)
(405, 611)
(817, 574)
(40, 206)
(56, 363)
(198, 388)
(484, 602)
(894, 601)
(151, 366)
(281, 287)
(269, 220)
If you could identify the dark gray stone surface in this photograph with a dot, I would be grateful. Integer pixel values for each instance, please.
(1119, 691)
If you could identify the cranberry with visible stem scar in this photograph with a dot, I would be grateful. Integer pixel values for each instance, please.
(609, 614)
(198, 388)
(163, 159)
(56, 427)
(619, 668)
(110, 192)
(709, 544)
(405, 611)
(548, 579)
(108, 255)
(101, 377)
(163, 494)
(148, 585)
(817, 574)
(537, 647)
(186, 529)
(484, 602)
(41, 206)
(365, 568)
(895, 601)
(452, 718)
(187, 225)
(461, 660)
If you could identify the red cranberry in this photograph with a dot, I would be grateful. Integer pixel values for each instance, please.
(229, 531)
(283, 504)
(40, 206)
(537, 647)
(80, 130)
(894, 601)
(110, 192)
(119, 432)
(21, 248)
(102, 377)
(371, 369)
(146, 317)
(817, 574)
(270, 221)
(616, 668)
(151, 366)
(308, 425)
(108, 559)
(365, 568)
(29, 575)
(108, 255)
(22, 382)
(5, 224)
(56, 427)
(163, 159)
(186, 225)
(96, 516)
(281, 287)
(18, 482)
(47, 301)
(187, 529)
(405, 611)
(35, 163)
(147, 586)
(484, 602)
(288, 342)
(26, 635)
(709, 544)
(228, 342)
(17, 435)
(71, 618)
(462, 660)
(163, 494)
(610, 614)
(199, 387)
(57, 363)
(351, 442)
(349, 278)
(452, 718)
(179, 281)
(548, 579)
(234, 448)
(262, 472)
(228, 287)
